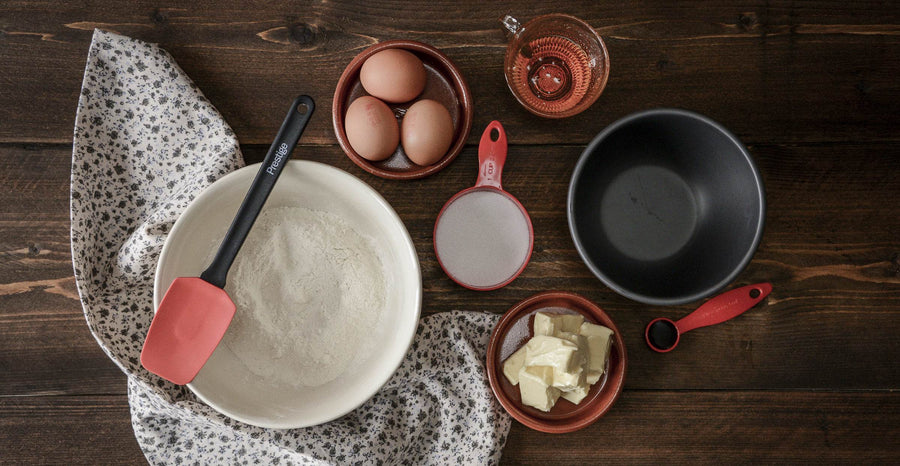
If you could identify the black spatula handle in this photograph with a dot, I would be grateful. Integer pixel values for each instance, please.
(271, 168)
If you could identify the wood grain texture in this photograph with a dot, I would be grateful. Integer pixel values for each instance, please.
(809, 376)
(67, 430)
(682, 427)
(770, 71)
(834, 280)
(45, 345)
(725, 428)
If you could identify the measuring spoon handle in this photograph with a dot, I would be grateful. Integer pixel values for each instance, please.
(491, 156)
(269, 171)
(725, 306)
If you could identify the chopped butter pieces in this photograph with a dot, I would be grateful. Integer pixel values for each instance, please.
(552, 324)
(599, 340)
(512, 365)
(577, 394)
(543, 350)
(563, 359)
(535, 388)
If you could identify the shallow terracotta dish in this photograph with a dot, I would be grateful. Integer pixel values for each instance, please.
(444, 84)
(514, 329)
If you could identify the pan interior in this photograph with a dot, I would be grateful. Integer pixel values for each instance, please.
(648, 213)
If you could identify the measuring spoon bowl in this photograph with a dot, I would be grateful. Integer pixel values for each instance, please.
(662, 335)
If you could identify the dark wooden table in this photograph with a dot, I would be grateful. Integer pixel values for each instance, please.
(813, 89)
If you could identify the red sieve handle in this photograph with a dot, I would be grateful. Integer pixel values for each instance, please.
(724, 307)
(491, 156)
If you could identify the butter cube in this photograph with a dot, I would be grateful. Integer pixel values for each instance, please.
(570, 322)
(535, 387)
(599, 340)
(569, 380)
(513, 364)
(580, 340)
(544, 324)
(552, 324)
(564, 355)
(577, 394)
(572, 379)
(543, 350)
(593, 377)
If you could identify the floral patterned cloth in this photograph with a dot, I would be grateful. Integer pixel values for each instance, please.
(146, 143)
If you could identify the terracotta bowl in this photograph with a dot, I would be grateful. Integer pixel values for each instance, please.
(444, 84)
(514, 330)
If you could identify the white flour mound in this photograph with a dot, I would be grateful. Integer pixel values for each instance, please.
(309, 290)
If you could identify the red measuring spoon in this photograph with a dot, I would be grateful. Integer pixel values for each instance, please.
(195, 312)
(483, 236)
(662, 335)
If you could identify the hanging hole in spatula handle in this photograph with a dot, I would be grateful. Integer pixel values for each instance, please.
(724, 307)
(277, 157)
(491, 155)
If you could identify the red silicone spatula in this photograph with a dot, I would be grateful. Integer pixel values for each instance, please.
(195, 312)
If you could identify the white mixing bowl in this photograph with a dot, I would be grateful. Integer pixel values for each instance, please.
(224, 382)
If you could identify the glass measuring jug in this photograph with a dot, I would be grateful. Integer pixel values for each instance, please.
(556, 65)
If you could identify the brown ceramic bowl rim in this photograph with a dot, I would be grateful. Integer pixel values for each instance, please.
(615, 383)
(462, 90)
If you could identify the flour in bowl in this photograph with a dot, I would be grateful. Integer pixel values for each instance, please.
(309, 291)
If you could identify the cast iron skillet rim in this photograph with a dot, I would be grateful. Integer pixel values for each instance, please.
(678, 300)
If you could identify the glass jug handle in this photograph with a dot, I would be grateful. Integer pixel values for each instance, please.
(511, 24)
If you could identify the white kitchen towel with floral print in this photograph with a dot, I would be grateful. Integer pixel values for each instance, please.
(146, 143)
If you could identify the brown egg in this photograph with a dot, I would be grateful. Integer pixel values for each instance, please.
(393, 75)
(371, 128)
(426, 132)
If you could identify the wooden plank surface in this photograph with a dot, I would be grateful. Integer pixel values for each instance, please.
(680, 427)
(730, 427)
(810, 376)
(750, 64)
(822, 263)
(69, 430)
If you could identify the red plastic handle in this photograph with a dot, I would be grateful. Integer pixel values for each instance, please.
(491, 156)
(724, 307)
